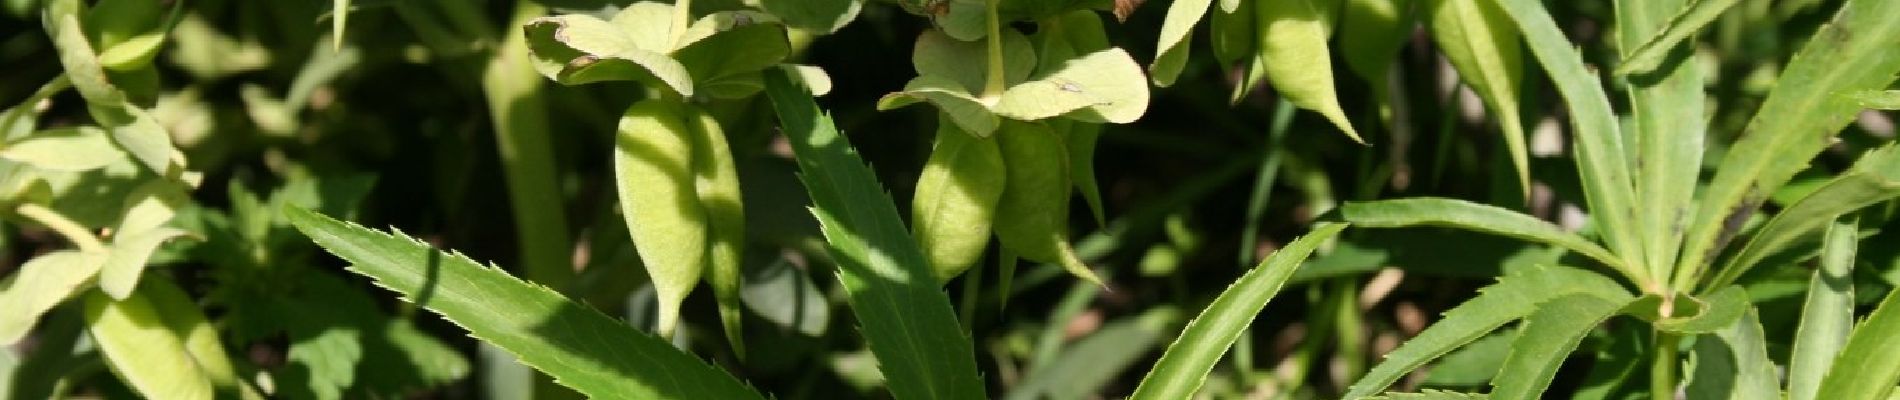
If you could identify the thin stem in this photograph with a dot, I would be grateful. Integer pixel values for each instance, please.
(994, 86)
(519, 114)
(1662, 369)
(78, 234)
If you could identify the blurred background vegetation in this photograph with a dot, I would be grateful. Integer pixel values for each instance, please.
(392, 128)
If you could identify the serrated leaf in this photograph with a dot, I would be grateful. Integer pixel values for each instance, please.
(40, 284)
(1514, 296)
(1692, 16)
(1474, 364)
(903, 314)
(1171, 50)
(1796, 121)
(1481, 44)
(964, 109)
(1293, 35)
(822, 16)
(1667, 110)
(1546, 340)
(1874, 178)
(1878, 99)
(1181, 370)
(659, 200)
(1866, 367)
(580, 347)
(956, 198)
(1732, 363)
(78, 148)
(1426, 211)
(1827, 315)
(1104, 86)
(126, 262)
(576, 49)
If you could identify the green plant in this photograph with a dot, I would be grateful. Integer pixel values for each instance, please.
(1665, 251)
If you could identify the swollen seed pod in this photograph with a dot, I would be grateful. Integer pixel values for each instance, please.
(1032, 216)
(1292, 42)
(653, 171)
(717, 183)
(956, 199)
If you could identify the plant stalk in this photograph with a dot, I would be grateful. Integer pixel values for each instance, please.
(1662, 369)
(79, 235)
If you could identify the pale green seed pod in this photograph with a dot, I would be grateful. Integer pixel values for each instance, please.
(956, 198)
(717, 181)
(1032, 217)
(653, 171)
(1293, 36)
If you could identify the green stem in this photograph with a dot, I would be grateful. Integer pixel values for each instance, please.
(78, 234)
(520, 118)
(1662, 369)
(993, 87)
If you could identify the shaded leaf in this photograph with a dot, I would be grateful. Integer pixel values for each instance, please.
(1546, 340)
(1733, 363)
(1482, 45)
(1171, 50)
(78, 148)
(1827, 315)
(1693, 16)
(1425, 211)
(1874, 178)
(956, 199)
(40, 284)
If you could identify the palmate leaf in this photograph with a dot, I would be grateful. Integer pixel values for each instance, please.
(580, 347)
(1184, 367)
(905, 316)
(1796, 120)
(1546, 340)
(1874, 178)
(1425, 211)
(1514, 296)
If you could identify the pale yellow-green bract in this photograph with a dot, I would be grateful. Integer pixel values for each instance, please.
(1293, 36)
(660, 202)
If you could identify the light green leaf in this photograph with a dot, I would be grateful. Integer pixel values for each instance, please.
(1874, 178)
(648, 25)
(1827, 315)
(740, 46)
(1293, 46)
(1656, 48)
(40, 284)
(1483, 46)
(78, 148)
(339, 18)
(575, 49)
(1546, 340)
(1733, 363)
(1171, 51)
(76, 53)
(1427, 211)
(1602, 163)
(150, 206)
(1866, 368)
(964, 109)
(964, 20)
(138, 133)
(955, 200)
(1795, 122)
(1370, 35)
(1878, 99)
(904, 315)
(134, 53)
(811, 77)
(1185, 366)
(964, 62)
(1668, 109)
(1515, 295)
(821, 16)
(1084, 367)
(1104, 86)
(143, 350)
(130, 250)
(1032, 217)
(659, 199)
(579, 346)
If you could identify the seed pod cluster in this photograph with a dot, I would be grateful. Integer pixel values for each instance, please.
(956, 199)
(679, 193)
